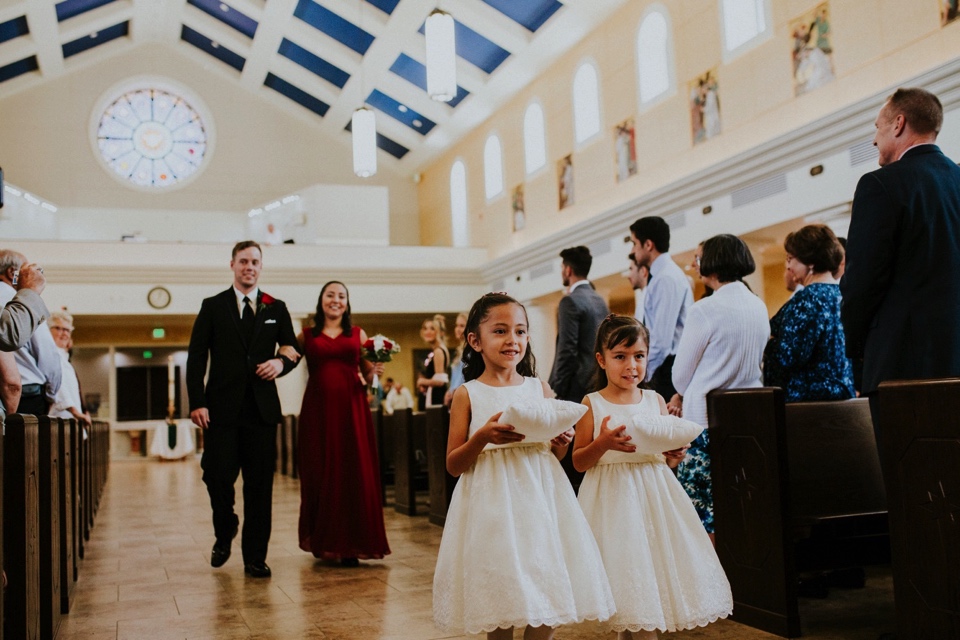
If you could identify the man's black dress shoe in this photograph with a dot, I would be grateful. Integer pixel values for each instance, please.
(257, 570)
(221, 552)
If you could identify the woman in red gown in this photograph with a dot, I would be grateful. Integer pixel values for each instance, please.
(341, 513)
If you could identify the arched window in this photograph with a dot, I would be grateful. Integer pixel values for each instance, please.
(586, 103)
(458, 204)
(744, 23)
(492, 167)
(534, 138)
(654, 56)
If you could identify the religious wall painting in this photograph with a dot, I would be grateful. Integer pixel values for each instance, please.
(565, 181)
(704, 95)
(949, 10)
(519, 212)
(625, 149)
(812, 50)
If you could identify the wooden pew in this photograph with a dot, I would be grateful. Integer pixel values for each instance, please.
(292, 444)
(441, 482)
(21, 531)
(920, 449)
(778, 472)
(281, 444)
(383, 425)
(48, 477)
(68, 516)
(409, 475)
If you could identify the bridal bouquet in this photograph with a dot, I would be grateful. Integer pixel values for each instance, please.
(379, 348)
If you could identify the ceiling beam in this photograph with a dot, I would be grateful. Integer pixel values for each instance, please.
(45, 31)
(275, 19)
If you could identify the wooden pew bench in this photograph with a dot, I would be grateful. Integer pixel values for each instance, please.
(796, 487)
(920, 449)
(441, 483)
(410, 469)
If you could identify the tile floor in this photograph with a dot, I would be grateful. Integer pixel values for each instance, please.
(147, 576)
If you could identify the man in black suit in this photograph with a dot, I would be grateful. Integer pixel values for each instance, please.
(578, 317)
(240, 330)
(901, 305)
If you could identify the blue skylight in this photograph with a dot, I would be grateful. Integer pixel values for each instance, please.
(334, 26)
(529, 13)
(387, 6)
(314, 64)
(227, 15)
(414, 72)
(215, 49)
(296, 94)
(14, 28)
(70, 8)
(18, 68)
(89, 42)
(475, 49)
(400, 112)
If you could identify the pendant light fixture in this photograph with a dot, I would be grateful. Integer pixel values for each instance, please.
(363, 126)
(441, 56)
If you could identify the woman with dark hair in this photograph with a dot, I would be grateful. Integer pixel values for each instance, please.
(721, 348)
(806, 355)
(341, 514)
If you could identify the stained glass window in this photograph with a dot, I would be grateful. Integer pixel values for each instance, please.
(152, 137)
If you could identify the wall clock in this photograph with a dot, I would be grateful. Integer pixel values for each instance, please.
(159, 298)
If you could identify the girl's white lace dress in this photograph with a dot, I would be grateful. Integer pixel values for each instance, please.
(516, 549)
(662, 566)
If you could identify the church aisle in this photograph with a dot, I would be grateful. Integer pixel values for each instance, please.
(147, 576)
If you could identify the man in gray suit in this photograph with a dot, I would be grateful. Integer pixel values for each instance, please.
(579, 316)
(18, 320)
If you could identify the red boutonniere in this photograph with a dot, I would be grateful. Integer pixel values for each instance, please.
(265, 301)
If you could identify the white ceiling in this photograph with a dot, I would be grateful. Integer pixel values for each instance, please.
(394, 34)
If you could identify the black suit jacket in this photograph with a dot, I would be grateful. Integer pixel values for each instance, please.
(578, 318)
(217, 334)
(901, 300)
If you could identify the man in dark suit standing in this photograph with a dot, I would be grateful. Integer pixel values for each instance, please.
(240, 330)
(901, 305)
(579, 316)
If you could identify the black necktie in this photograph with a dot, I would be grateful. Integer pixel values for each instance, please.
(246, 319)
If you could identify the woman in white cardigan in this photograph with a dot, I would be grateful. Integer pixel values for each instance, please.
(721, 348)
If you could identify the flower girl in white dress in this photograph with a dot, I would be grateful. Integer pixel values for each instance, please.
(662, 566)
(516, 549)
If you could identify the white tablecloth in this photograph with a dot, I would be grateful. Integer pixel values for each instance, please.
(161, 443)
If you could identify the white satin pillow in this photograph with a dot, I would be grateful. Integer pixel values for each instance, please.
(656, 434)
(542, 420)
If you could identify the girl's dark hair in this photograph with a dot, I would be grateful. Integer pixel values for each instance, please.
(319, 318)
(473, 364)
(615, 330)
(727, 257)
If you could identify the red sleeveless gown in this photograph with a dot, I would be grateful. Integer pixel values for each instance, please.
(341, 513)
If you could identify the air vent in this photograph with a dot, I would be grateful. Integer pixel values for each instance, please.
(544, 269)
(760, 190)
(600, 247)
(676, 220)
(863, 153)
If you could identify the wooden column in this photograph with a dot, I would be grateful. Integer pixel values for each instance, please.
(49, 517)
(21, 532)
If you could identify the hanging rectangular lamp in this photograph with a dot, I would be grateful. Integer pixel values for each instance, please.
(364, 128)
(441, 56)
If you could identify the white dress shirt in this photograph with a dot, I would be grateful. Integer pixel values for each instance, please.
(668, 296)
(69, 393)
(577, 284)
(253, 299)
(38, 360)
(397, 400)
(639, 295)
(721, 348)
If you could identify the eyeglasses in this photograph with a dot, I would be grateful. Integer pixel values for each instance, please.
(68, 330)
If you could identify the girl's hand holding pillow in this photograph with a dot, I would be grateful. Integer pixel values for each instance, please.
(614, 439)
(495, 432)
